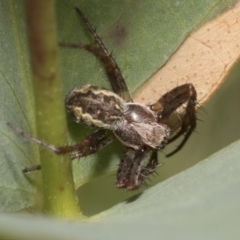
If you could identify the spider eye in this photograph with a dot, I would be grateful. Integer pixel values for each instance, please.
(160, 116)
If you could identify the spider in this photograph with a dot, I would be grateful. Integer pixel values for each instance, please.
(141, 129)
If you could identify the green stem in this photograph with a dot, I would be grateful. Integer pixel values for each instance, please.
(59, 191)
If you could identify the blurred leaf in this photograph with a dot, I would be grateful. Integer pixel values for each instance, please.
(142, 35)
(17, 192)
(199, 203)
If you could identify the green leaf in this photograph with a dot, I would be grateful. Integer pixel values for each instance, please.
(142, 36)
(17, 191)
(199, 203)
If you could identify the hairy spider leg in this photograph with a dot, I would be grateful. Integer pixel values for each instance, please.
(112, 69)
(134, 173)
(96, 143)
(131, 174)
(130, 168)
(150, 168)
(89, 145)
(170, 102)
(124, 168)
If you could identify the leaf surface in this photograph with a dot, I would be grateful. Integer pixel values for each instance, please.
(141, 34)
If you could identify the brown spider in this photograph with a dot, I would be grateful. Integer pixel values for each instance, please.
(142, 129)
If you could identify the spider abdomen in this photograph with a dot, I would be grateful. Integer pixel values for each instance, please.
(95, 106)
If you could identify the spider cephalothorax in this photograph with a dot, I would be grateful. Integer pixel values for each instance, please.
(142, 129)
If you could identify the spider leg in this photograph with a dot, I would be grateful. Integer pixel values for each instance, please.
(189, 123)
(88, 146)
(96, 142)
(149, 168)
(170, 102)
(124, 167)
(130, 168)
(112, 69)
(135, 171)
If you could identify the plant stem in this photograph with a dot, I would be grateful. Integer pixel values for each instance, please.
(59, 191)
